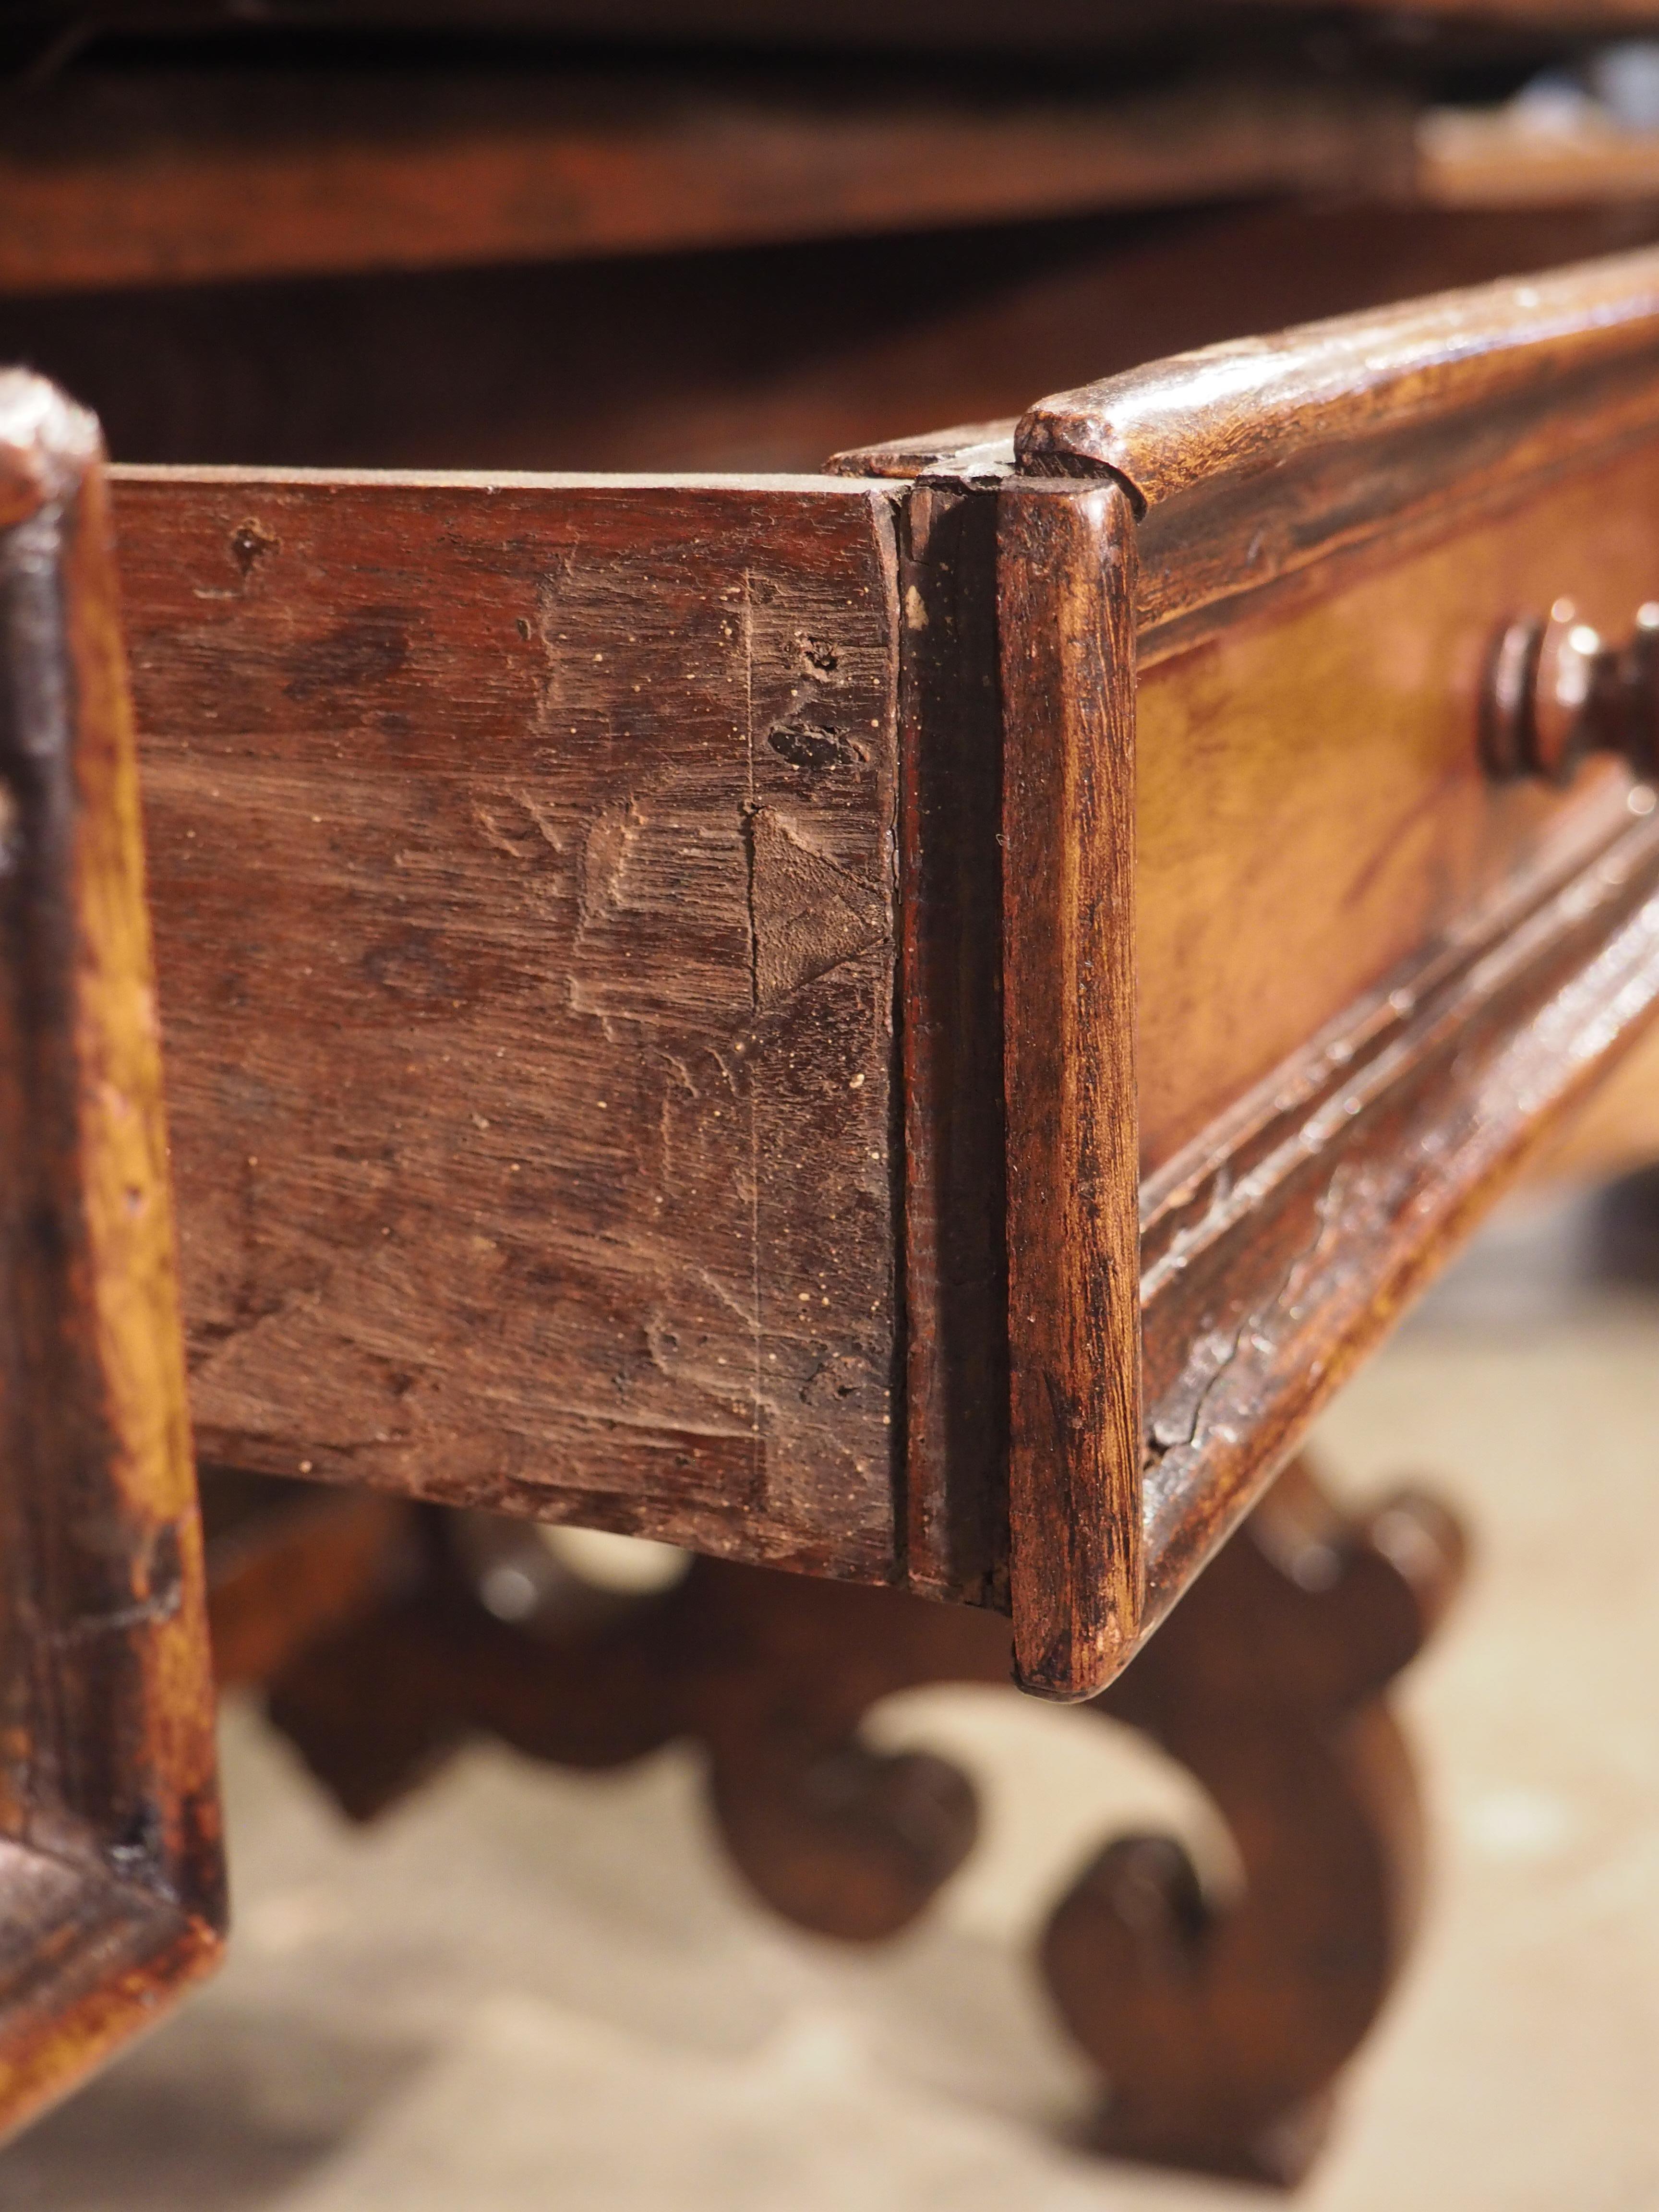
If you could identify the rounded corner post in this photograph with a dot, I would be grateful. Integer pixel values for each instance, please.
(1066, 599)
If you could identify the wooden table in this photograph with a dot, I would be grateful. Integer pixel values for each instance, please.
(901, 1027)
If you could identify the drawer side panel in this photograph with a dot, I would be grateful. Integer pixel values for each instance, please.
(521, 869)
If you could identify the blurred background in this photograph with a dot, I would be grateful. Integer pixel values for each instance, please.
(726, 234)
(692, 235)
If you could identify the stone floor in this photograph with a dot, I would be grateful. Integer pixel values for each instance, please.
(531, 1990)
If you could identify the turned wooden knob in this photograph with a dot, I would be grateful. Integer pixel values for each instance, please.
(1557, 691)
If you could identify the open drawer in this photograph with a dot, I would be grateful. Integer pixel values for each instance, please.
(650, 968)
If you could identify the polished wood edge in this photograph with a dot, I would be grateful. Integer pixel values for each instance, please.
(967, 452)
(1184, 601)
(1255, 461)
(1485, 481)
(1259, 548)
(159, 478)
(1066, 598)
(128, 1222)
(1257, 1309)
(1248, 405)
(1354, 449)
(108, 1798)
(46, 444)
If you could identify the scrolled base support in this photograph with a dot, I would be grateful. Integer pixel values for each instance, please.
(1219, 2024)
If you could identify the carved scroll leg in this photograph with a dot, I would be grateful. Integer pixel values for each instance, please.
(835, 1835)
(377, 1703)
(773, 1673)
(1220, 2026)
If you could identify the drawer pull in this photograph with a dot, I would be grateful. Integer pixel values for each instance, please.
(1557, 691)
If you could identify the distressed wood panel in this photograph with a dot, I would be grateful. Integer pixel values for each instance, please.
(522, 875)
(1370, 981)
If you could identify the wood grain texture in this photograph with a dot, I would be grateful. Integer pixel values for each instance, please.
(1065, 595)
(720, 360)
(1345, 937)
(1314, 762)
(110, 1864)
(1253, 461)
(181, 176)
(1311, 794)
(1234, 411)
(1313, 807)
(521, 866)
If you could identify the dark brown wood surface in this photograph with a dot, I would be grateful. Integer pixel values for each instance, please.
(1371, 980)
(1065, 595)
(1221, 2024)
(522, 872)
(1287, 773)
(178, 176)
(111, 1884)
(1278, 1259)
(1254, 461)
(720, 359)
(956, 1308)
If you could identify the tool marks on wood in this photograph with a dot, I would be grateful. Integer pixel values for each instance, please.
(602, 1189)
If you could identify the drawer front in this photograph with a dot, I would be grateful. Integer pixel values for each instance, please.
(1370, 972)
